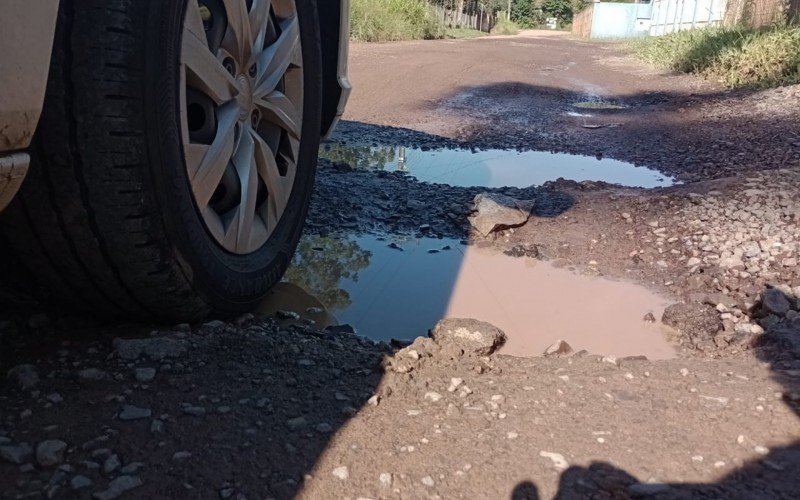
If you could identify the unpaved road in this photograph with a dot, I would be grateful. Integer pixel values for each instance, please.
(258, 409)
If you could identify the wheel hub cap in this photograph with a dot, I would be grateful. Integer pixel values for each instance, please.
(242, 95)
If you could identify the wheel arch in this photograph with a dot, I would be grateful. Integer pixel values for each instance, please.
(334, 28)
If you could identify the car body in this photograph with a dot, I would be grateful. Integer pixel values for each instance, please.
(26, 41)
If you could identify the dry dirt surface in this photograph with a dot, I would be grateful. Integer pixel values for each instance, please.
(258, 407)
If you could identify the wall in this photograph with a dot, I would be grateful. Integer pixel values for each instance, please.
(620, 20)
(582, 22)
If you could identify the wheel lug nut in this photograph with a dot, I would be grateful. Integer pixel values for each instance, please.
(229, 65)
(252, 71)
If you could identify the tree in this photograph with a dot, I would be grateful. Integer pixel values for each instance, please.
(560, 9)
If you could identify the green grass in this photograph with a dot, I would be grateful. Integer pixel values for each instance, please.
(504, 26)
(736, 57)
(393, 20)
(463, 33)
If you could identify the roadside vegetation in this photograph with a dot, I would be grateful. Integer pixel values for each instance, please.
(504, 26)
(393, 20)
(736, 57)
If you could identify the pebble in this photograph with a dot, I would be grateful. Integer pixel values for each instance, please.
(559, 462)
(157, 426)
(50, 452)
(296, 423)
(111, 464)
(427, 481)
(195, 411)
(80, 482)
(324, 428)
(16, 454)
(433, 396)
(385, 478)
(341, 472)
(25, 376)
(131, 468)
(117, 487)
(454, 383)
(55, 398)
(145, 374)
(92, 374)
(130, 412)
(181, 455)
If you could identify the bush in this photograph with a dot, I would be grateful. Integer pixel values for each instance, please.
(393, 20)
(504, 26)
(737, 57)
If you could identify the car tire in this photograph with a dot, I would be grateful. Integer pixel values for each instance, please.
(109, 219)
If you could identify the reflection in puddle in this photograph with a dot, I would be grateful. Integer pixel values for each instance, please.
(400, 293)
(495, 167)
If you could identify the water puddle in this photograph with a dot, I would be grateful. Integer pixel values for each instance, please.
(494, 168)
(394, 288)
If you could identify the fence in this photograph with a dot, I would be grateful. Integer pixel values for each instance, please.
(676, 15)
(612, 20)
(480, 20)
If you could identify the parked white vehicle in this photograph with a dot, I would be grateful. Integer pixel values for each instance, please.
(157, 156)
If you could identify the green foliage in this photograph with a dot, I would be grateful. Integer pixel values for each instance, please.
(737, 57)
(393, 20)
(526, 14)
(560, 9)
(504, 26)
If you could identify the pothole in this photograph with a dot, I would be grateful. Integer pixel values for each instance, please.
(389, 288)
(494, 168)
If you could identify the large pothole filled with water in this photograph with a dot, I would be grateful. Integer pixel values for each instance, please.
(398, 288)
(495, 167)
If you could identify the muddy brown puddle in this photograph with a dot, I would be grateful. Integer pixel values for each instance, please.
(495, 167)
(396, 288)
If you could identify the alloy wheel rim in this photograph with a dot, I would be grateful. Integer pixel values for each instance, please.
(241, 115)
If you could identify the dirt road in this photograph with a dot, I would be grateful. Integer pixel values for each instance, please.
(270, 407)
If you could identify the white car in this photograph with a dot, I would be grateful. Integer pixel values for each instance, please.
(157, 156)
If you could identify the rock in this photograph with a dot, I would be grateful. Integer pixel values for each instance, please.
(24, 376)
(433, 396)
(111, 464)
(386, 479)
(130, 412)
(774, 301)
(50, 452)
(144, 374)
(699, 321)
(454, 383)
(16, 454)
(559, 462)
(195, 411)
(117, 487)
(131, 468)
(92, 375)
(469, 335)
(54, 398)
(560, 347)
(154, 348)
(494, 211)
(324, 428)
(347, 329)
(693, 261)
(341, 472)
(80, 482)
(296, 423)
(181, 455)
(427, 481)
